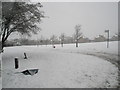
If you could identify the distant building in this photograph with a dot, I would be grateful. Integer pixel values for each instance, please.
(84, 40)
(114, 38)
(100, 38)
(17, 44)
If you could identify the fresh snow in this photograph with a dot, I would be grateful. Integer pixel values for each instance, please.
(60, 67)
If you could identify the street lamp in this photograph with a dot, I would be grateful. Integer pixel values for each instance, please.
(107, 31)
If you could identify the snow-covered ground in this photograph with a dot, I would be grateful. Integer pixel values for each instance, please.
(61, 67)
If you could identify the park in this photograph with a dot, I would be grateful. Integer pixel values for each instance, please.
(59, 45)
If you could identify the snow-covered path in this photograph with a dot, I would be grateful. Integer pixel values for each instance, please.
(56, 69)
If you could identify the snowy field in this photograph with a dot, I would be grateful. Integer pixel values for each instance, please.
(62, 67)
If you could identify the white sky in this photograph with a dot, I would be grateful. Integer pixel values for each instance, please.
(95, 18)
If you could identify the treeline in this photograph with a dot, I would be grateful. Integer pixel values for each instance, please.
(63, 39)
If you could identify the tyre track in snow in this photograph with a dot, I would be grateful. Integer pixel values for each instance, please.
(112, 58)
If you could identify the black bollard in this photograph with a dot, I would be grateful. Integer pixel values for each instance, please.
(25, 56)
(16, 63)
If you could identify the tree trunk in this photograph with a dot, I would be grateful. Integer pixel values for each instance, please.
(76, 43)
(5, 37)
(62, 44)
(3, 45)
(3, 42)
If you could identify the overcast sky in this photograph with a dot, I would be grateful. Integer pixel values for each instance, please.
(94, 17)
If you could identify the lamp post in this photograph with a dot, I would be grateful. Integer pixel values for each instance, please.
(107, 31)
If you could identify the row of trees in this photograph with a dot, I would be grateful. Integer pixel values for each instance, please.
(62, 39)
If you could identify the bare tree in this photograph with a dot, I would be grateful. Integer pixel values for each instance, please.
(20, 17)
(53, 38)
(77, 34)
(41, 40)
(46, 41)
(62, 38)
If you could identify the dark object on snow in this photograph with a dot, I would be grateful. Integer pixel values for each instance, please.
(16, 63)
(25, 56)
(53, 46)
(30, 72)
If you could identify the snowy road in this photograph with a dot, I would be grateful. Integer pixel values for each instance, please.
(57, 69)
